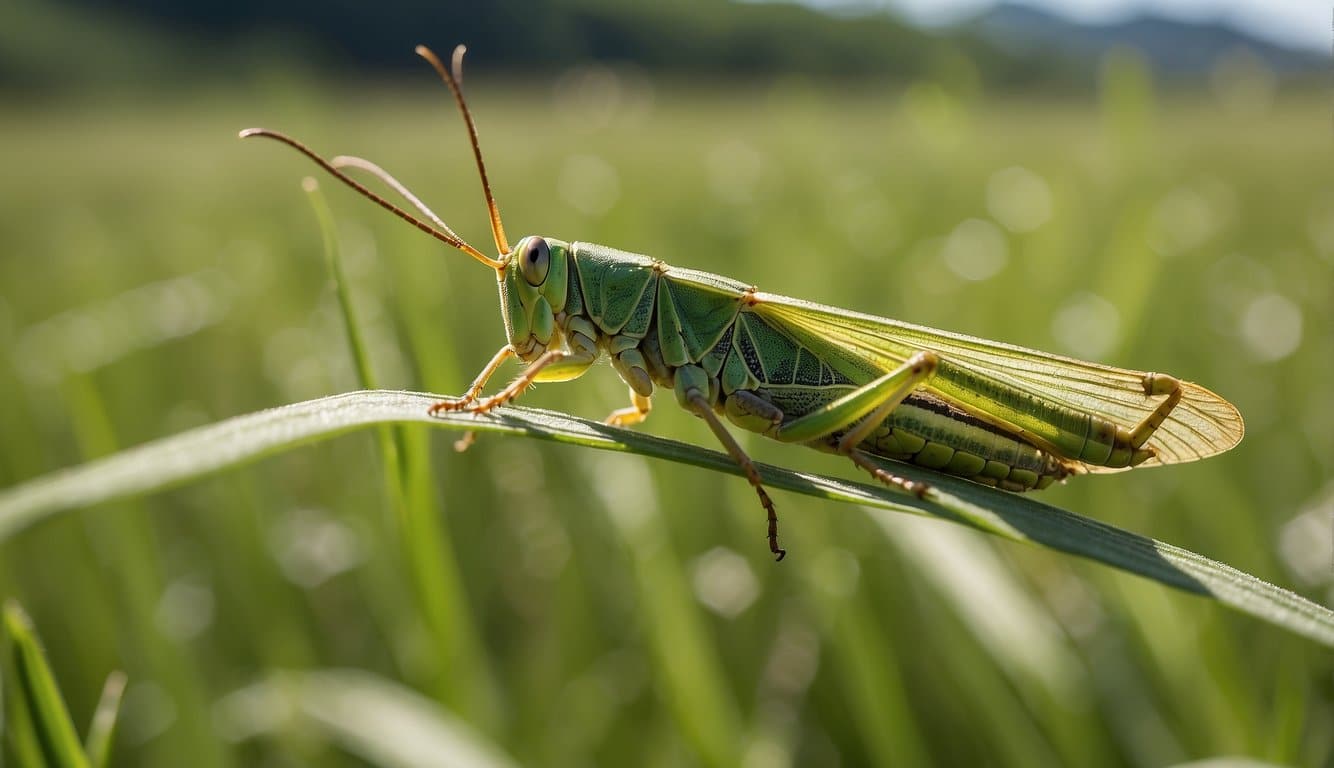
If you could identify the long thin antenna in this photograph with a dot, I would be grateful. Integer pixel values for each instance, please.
(454, 81)
(450, 238)
(348, 161)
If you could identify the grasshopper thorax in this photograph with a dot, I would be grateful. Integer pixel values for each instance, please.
(534, 284)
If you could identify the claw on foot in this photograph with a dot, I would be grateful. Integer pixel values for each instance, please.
(465, 442)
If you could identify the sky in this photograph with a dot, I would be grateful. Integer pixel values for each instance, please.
(1303, 24)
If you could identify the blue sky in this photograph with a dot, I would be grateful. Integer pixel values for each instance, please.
(1298, 23)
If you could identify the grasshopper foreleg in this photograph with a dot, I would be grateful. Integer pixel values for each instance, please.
(552, 365)
(471, 395)
(475, 389)
(557, 364)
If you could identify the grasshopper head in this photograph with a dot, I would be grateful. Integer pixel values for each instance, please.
(533, 286)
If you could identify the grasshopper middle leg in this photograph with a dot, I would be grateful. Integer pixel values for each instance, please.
(692, 387)
(637, 411)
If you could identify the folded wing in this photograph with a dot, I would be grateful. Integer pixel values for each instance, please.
(1202, 424)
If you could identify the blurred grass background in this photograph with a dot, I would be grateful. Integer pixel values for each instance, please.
(574, 608)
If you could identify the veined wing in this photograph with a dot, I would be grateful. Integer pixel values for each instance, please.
(1201, 425)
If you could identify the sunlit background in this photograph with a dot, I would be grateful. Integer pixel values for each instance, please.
(1149, 187)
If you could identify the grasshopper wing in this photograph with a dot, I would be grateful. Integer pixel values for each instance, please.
(1008, 384)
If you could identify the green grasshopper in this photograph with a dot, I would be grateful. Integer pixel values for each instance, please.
(798, 372)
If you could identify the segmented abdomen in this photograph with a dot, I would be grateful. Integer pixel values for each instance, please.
(930, 432)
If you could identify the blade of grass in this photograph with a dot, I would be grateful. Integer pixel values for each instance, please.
(377, 719)
(462, 680)
(867, 668)
(686, 666)
(209, 449)
(39, 693)
(333, 260)
(103, 728)
(21, 744)
(139, 581)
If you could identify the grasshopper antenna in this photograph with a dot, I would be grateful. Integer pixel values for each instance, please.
(454, 80)
(447, 236)
(347, 161)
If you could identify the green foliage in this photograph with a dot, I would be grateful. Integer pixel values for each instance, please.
(368, 716)
(38, 731)
(603, 608)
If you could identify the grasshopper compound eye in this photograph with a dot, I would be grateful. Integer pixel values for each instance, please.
(535, 260)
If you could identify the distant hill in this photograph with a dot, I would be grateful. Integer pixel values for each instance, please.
(1172, 47)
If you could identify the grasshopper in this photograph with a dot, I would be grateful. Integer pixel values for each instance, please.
(855, 384)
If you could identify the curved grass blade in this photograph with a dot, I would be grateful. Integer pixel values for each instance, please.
(421, 525)
(187, 456)
(383, 722)
(38, 695)
(103, 728)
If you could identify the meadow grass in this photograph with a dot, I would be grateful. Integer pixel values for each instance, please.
(580, 607)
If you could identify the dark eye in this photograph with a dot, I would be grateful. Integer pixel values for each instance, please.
(535, 260)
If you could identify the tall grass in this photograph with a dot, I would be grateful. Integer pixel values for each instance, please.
(159, 274)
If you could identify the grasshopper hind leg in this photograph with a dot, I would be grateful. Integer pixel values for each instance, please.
(1155, 384)
(858, 413)
(885, 476)
(1128, 446)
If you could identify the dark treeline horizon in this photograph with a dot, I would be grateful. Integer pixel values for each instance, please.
(679, 36)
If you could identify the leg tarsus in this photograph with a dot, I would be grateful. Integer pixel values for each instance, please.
(475, 389)
(550, 359)
(470, 403)
(637, 411)
(914, 487)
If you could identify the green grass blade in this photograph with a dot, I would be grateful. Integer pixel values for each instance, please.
(688, 671)
(209, 449)
(467, 687)
(21, 745)
(103, 728)
(385, 723)
(361, 360)
(38, 693)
